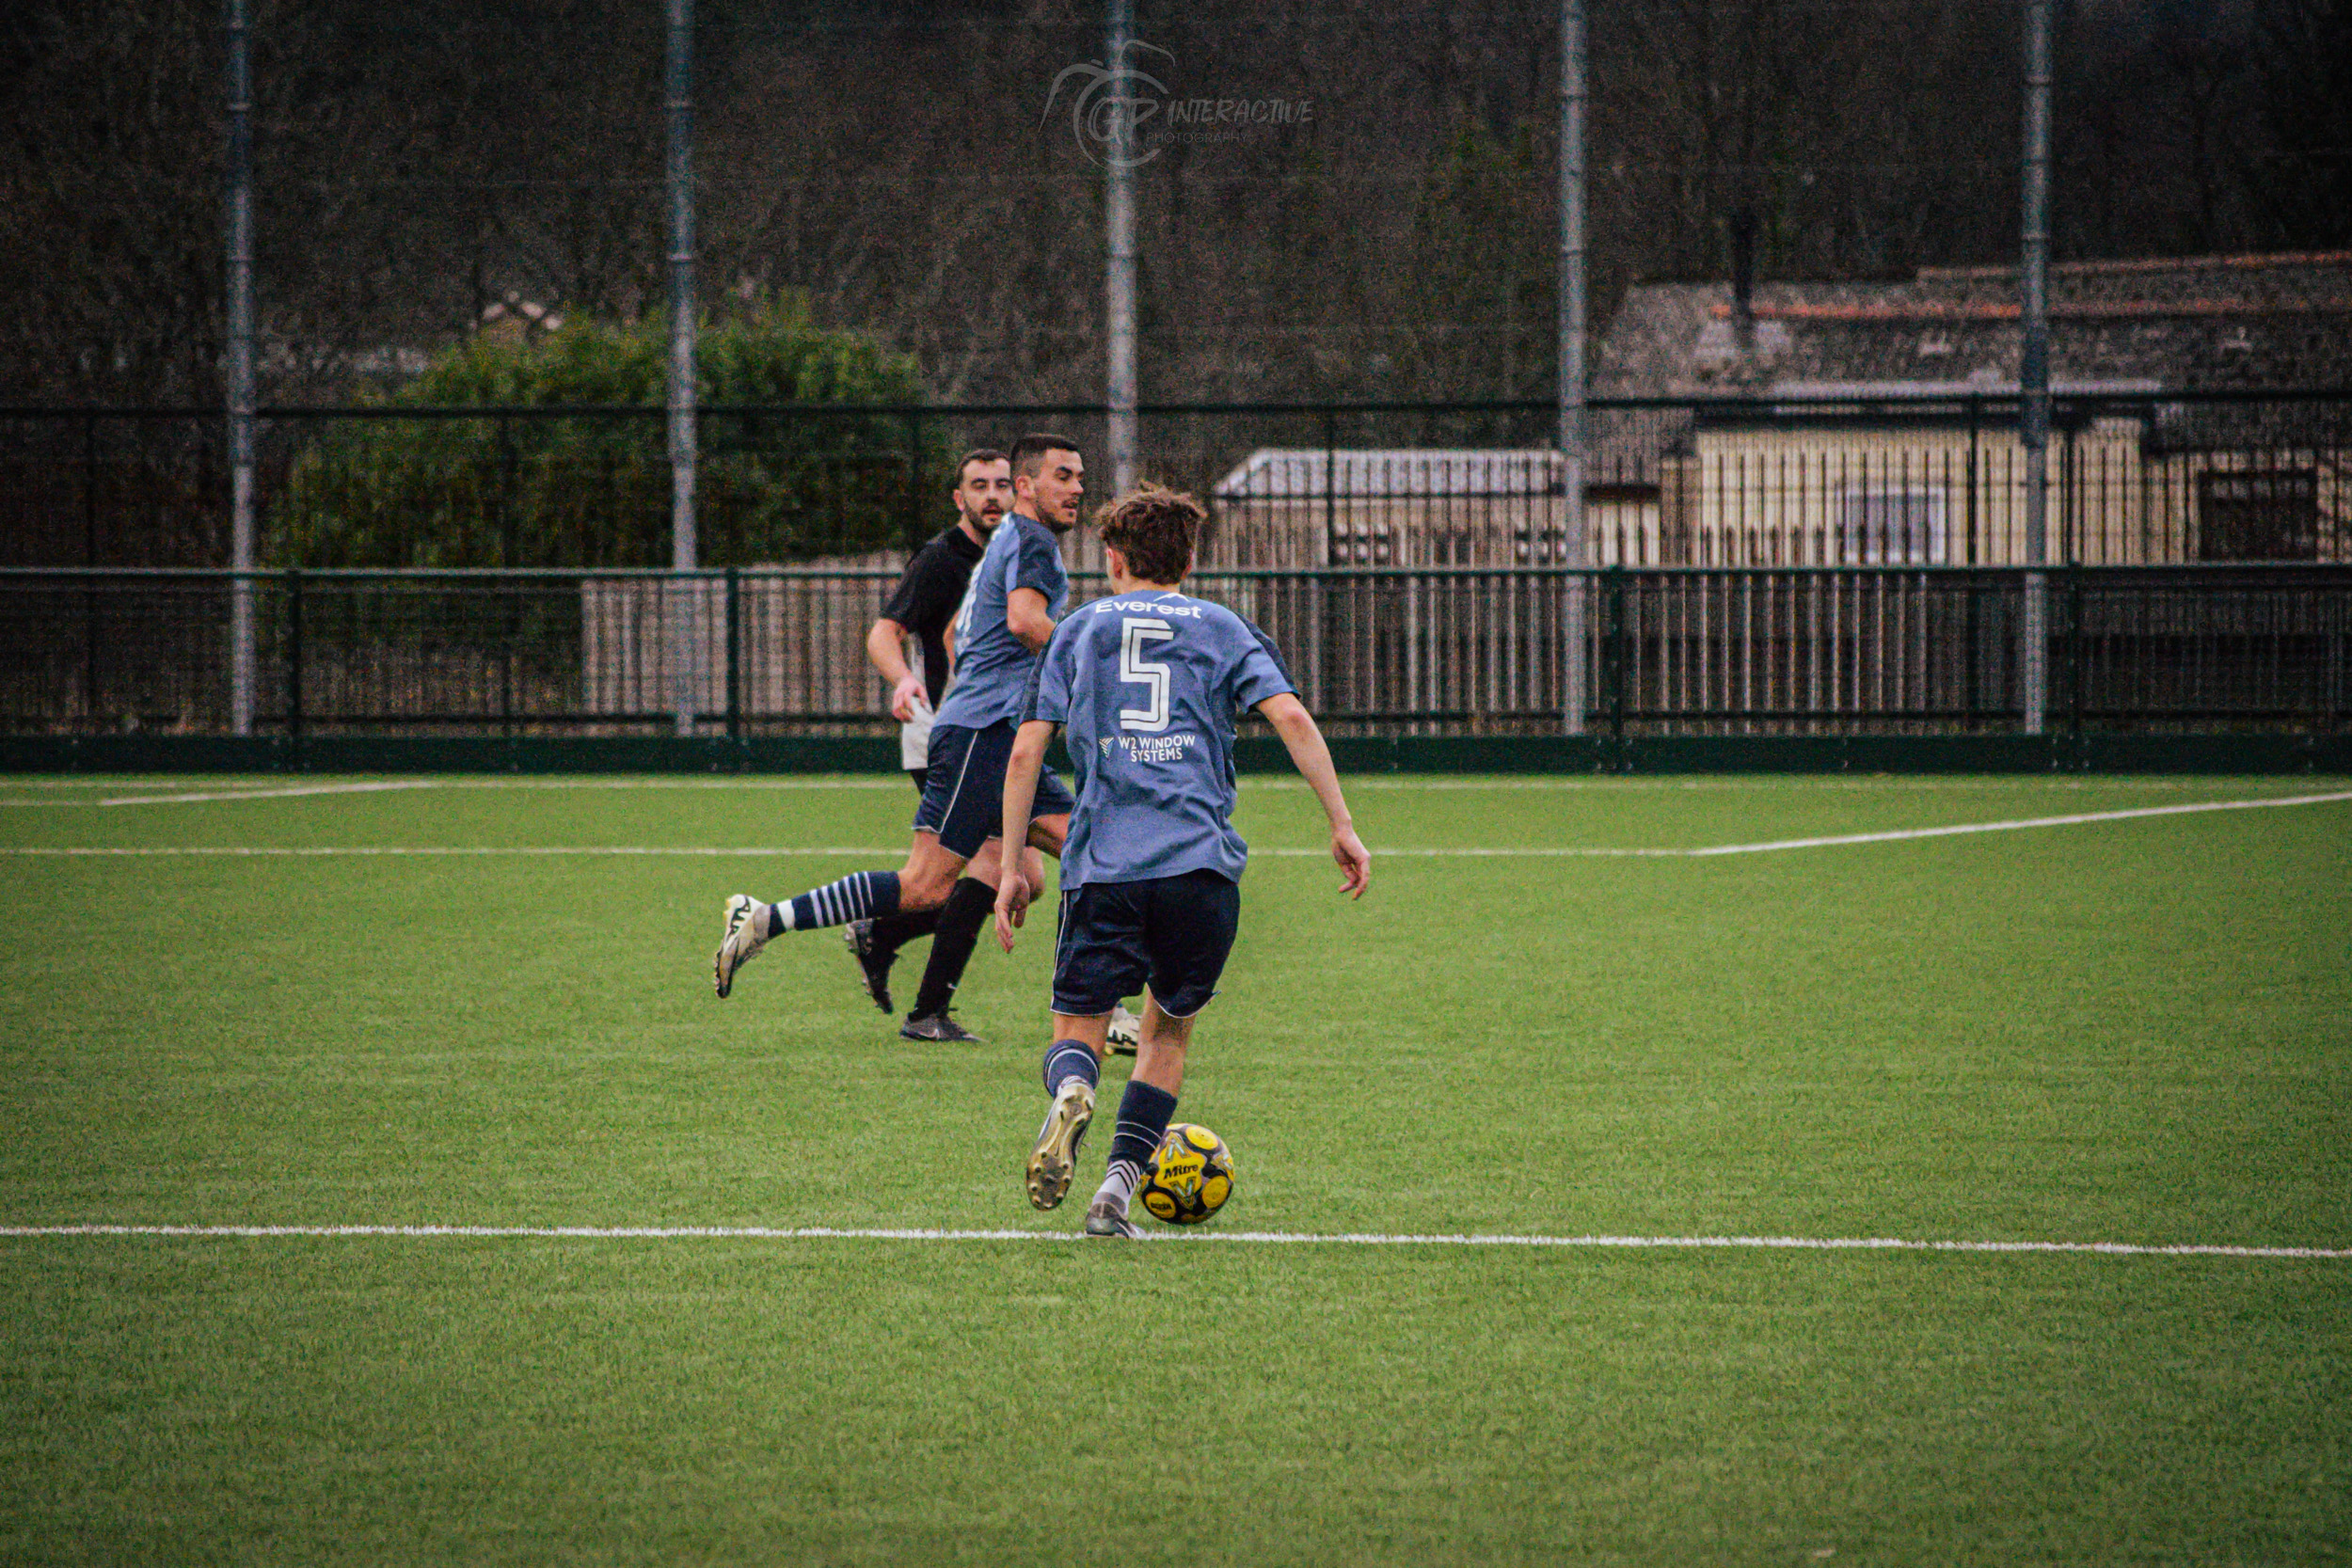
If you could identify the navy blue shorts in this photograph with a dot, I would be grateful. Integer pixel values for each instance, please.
(1173, 932)
(964, 787)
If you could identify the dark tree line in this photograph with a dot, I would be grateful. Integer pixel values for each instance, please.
(894, 165)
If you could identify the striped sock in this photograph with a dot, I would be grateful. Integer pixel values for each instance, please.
(1068, 1059)
(859, 895)
(1120, 1181)
(1144, 1113)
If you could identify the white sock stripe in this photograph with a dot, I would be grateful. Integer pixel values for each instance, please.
(747, 1233)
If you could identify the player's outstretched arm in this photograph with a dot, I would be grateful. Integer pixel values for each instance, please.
(884, 646)
(1312, 758)
(1021, 771)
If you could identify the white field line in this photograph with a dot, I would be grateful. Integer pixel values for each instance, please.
(268, 851)
(2028, 822)
(369, 788)
(1535, 852)
(817, 1232)
(1867, 784)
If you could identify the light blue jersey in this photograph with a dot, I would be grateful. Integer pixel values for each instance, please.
(993, 666)
(1147, 685)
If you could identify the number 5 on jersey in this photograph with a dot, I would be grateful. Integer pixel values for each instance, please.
(1137, 633)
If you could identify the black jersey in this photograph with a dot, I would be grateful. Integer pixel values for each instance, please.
(927, 598)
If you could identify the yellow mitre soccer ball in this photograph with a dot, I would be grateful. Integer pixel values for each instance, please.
(1189, 1176)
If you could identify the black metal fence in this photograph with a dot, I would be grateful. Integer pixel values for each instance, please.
(1476, 650)
(1816, 564)
(2138, 478)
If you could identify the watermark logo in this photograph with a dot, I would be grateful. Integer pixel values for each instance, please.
(1122, 117)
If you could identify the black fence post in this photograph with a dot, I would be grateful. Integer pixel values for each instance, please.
(1330, 483)
(293, 664)
(913, 530)
(1614, 671)
(2075, 672)
(510, 633)
(734, 666)
(1975, 425)
(89, 558)
(509, 461)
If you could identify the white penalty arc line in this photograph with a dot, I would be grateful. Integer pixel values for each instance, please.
(1278, 1238)
(1537, 852)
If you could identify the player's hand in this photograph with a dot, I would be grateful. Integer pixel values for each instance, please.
(1013, 905)
(1354, 861)
(905, 696)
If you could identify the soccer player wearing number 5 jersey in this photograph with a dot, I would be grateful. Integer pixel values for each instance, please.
(1148, 682)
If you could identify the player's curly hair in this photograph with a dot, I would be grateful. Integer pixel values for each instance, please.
(1156, 528)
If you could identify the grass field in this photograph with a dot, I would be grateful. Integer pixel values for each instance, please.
(2134, 1029)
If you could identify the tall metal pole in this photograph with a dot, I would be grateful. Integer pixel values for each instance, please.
(2033, 366)
(1119, 217)
(1572, 411)
(684, 625)
(240, 226)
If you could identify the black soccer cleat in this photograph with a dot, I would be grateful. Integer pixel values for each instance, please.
(873, 966)
(939, 1028)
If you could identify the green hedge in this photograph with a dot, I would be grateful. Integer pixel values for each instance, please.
(380, 490)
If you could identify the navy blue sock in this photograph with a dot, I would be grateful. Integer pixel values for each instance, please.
(1144, 1113)
(859, 895)
(1068, 1059)
(894, 931)
(960, 920)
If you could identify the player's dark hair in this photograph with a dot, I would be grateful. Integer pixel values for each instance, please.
(978, 455)
(1156, 528)
(1029, 453)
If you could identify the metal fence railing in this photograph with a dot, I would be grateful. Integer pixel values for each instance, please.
(1820, 480)
(1437, 649)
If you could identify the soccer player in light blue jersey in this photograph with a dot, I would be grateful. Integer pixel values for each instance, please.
(1148, 682)
(1018, 590)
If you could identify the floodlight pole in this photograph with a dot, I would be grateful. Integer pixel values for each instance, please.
(1119, 219)
(240, 281)
(683, 625)
(1573, 422)
(2034, 369)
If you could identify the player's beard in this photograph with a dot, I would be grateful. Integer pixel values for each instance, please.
(983, 520)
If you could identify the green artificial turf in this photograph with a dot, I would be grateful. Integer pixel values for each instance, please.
(2129, 1031)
